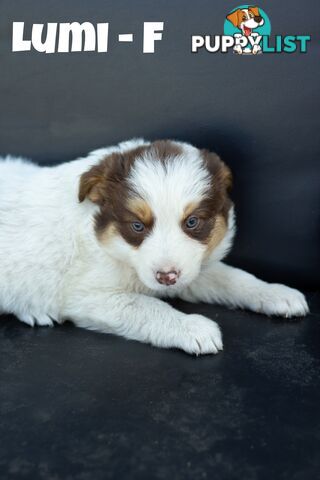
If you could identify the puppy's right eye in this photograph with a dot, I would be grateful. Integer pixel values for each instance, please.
(192, 222)
(137, 227)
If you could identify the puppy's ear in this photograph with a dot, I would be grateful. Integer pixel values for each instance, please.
(92, 185)
(226, 177)
(235, 17)
(218, 169)
(108, 175)
(255, 11)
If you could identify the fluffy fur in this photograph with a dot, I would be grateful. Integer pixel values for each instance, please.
(69, 248)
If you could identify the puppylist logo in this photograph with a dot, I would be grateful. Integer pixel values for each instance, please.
(247, 25)
(247, 31)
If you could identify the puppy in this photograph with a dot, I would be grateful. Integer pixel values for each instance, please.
(246, 20)
(101, 239)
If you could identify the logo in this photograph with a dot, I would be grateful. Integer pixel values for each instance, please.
(247, 31)
(247, 24)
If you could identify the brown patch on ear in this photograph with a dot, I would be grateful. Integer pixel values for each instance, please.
(217, 234)
(91, 185)
(227, 177)
(114, 168)
(221, 174)
(141, 210)
(255, 11)
(235, 17)
(108, 176)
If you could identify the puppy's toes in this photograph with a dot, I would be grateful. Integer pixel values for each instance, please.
(276, 299)
(44, 321)
(28, 319)
(200, 336)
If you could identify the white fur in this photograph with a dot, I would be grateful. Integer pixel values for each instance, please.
(167, 189)
(52, 267)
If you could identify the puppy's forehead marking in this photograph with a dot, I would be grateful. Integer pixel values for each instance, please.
(179, 178)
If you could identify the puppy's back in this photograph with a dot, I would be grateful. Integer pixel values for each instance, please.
(36, 240)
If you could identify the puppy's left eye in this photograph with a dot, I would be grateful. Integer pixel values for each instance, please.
(137, 227)
(192, 222)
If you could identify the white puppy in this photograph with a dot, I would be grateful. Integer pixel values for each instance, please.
(96, 241)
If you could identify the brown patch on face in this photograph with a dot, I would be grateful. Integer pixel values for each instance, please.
(217, 233)
(190, 209)
(106, 185)
(213, 210)
(141, 210)
(108, 233)
(136, 209)
(206, 221)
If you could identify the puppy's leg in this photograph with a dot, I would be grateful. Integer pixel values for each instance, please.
(236, 288)
(146, 319)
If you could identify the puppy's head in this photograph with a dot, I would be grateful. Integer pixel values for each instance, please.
(163, 209)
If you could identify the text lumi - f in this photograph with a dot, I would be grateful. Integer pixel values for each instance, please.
(76, 37)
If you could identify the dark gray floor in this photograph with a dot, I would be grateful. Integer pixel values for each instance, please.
(82, 405)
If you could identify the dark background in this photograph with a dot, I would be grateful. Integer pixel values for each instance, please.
(79, 405)
(261, 114)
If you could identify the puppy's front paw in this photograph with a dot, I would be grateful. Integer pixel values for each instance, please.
(40, 320)
(199, 335)
(276, 299)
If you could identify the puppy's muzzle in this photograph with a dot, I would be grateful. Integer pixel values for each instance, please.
(167, 278)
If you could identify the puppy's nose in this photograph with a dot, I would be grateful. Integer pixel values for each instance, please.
(167, 278)
(258, 18)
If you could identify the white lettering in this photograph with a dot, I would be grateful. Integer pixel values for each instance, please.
(102, 36)
(197, 41)
(48, 46)
(76, 29)
(18, 43)
(151, 31)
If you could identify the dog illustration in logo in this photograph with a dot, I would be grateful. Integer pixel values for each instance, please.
(246, 20)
